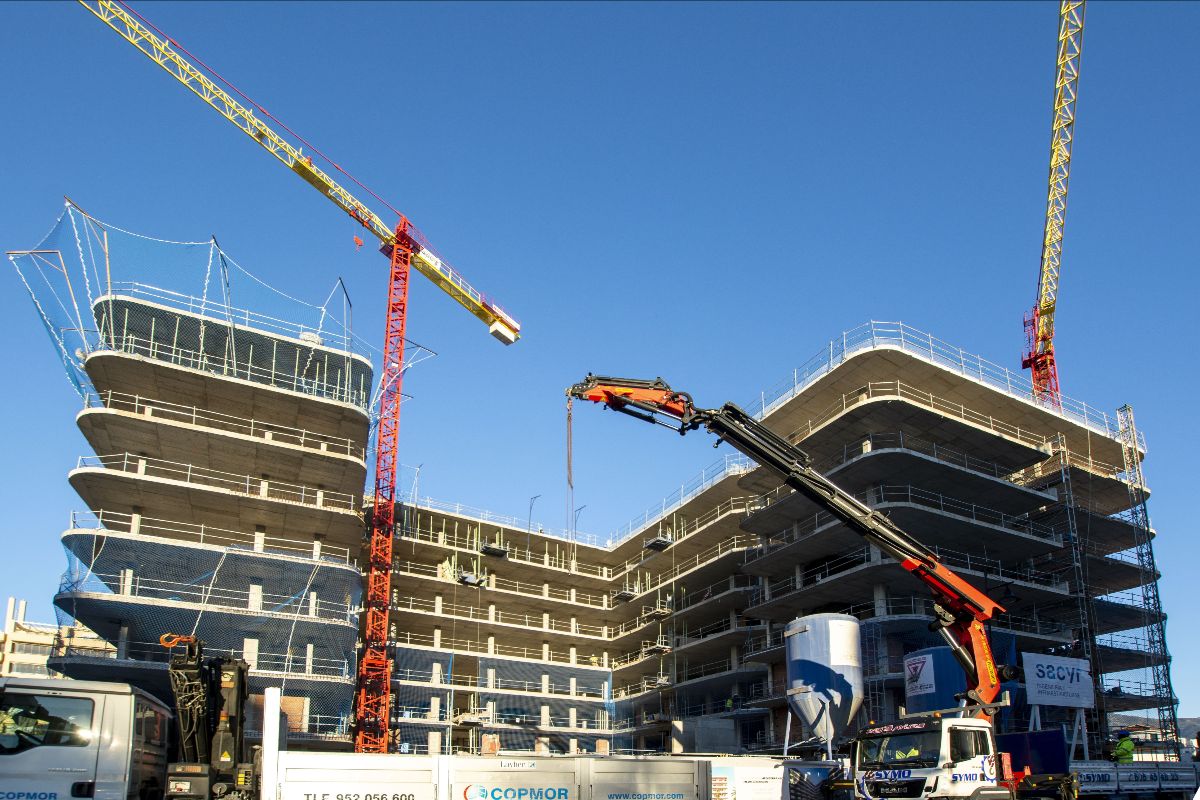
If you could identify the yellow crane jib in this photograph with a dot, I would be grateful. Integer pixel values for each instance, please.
(159, 50)
(1040, 324)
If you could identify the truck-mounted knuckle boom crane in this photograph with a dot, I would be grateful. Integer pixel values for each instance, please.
(960, 609)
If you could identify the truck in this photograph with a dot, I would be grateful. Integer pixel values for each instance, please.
(63, 738)
(942, 755)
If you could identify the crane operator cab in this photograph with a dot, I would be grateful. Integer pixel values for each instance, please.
(927, 757)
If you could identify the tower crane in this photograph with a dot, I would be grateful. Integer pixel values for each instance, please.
(1039, 323)
(405, 248)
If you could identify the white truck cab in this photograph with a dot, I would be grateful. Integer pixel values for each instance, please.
(928, 757)
(61, 739)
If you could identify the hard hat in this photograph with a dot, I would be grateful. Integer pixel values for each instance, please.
(1122, 732)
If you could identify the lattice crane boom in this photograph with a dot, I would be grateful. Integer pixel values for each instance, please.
(159, 49)
(1039, 323)
(406, 248)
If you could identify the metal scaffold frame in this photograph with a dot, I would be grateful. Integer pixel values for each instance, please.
(1156, 627)
(1078, 547)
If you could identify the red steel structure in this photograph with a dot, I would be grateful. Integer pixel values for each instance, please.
(407, 249)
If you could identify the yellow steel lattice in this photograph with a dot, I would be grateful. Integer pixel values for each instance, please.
(1066, 85)
(504, 327)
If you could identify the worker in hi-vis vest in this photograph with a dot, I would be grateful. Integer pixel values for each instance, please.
(1123, 752)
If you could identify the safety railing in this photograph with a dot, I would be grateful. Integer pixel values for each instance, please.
(318, 385)
(845, 562)
(1116, 687)
(479, 647)
(734, 544)
(296, 664)
(896, 335)
(534, 622)
(513, 527)
(691, 672)
(222, 313)
(228, 481)
(212, 597)
(204, 418)
(761, 644)
(199, 533)
(902, 441)
(536, 591)
(641, 687)
(721, 626)
(731, 464)
(737, 583)
(419, 527)
(880, 495)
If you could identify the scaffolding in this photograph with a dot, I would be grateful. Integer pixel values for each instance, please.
(1155, 620)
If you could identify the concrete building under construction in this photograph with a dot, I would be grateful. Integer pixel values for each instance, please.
(225, 499)
(668, 637)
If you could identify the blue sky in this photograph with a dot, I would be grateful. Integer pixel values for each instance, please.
(704, 192)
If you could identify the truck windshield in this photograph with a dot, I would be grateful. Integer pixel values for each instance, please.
(910, 749)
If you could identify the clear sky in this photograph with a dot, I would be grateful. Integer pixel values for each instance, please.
(703, 192)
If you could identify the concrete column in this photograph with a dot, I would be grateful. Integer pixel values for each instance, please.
(876, 554)
(572, 745)
(250, 652)
(604, 659)
(545, 589)
(263, 486)
(260, 538)
(880, 592)
(308, 659)
(545, 651)
(546, 620)
(437, 637)
(574, 621)
(435, 708)
(141, 466)
(312, 604)
(546, 683)
(491, 644)
(545, 719)
(764, 586)
(316, 550)
(436, 675)
(254, 601)
(491, 612)
(574, 655)
(491, 581)
(573, 686)
(866, 445)
(320, 498)
(572, 594)
(123, 641)
(437, 604)
(126, 583)
(677, 743)
(135, 522)
(434, 741)
(734, 655)
(491, 677)
(572, 714)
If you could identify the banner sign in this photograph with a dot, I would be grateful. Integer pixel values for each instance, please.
(918, 675)
(1058, 681)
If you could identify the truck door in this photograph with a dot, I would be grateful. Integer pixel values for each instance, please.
(48, 744)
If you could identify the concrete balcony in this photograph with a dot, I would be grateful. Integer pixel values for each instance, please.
(114, 422)
(1123, 695)
(129, 483)
(516, 596)
(435, 680)
(715, 599)
(705, 568)
(856, 573)
(152, 325)
(943, 521)
(134, 531)
(420, 615)
(878, 352)
(1121, 652)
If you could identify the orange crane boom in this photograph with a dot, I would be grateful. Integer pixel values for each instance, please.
(405, 248)
(960, 610)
